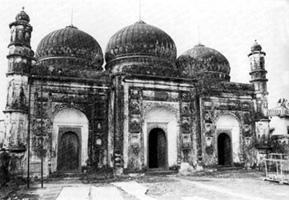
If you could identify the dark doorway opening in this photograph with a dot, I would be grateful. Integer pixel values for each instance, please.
(224, 150)
(157, 149)
(68, 158)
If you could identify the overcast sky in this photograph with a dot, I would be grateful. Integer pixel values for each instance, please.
(229, 26)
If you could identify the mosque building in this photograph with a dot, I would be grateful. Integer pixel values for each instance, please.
(144, 109)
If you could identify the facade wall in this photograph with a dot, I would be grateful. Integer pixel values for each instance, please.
(116, 123)
(233, 116)
(172, 107)
(148, 105)
(64, 105)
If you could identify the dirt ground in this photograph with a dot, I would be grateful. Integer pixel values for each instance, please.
(229, 185)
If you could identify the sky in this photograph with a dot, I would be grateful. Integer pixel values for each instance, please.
(231, 27)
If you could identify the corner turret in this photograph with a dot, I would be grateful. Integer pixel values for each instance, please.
(20, 58)
(259, 80)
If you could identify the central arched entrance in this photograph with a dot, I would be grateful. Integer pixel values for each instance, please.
(68, 152)
(70, 128)
(224, 150)
(157, 149)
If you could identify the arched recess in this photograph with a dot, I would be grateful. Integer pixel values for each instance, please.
(224, 149)
(161, 118)
(157, 149)
(68, 155)
(229, 125)
(70, 120)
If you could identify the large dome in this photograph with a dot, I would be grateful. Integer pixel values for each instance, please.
(204, 62)
(141, 39)
(70, 46)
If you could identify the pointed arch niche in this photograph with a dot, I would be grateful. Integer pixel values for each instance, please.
(164, 120)
(228, 125)
(69, 120)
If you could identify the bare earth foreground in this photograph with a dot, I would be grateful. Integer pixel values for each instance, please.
(228, 185)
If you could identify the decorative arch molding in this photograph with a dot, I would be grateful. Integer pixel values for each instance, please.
(62, 106)
(174, 108)
(220, 114)
(162, 126)
(169, 123)
(68, 118)
(235, 133)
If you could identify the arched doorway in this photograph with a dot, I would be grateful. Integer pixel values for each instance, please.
(67, 121)
(230, 125)
(157, 149)
(166, 121)
(68, 152)
(224, 150)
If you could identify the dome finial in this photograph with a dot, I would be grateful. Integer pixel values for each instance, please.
(71, 19)
(256, 46)
(22, 16)
(139, 6)
(199, 36)
(199, 40)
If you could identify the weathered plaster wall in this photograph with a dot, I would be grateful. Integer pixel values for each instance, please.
(16, 112)
(64, 96)
(17, 92)
(126, 135)
(2, 131)
(233, 115)
(15, 130)
(15, 138)
(151, 104)
(262, 130)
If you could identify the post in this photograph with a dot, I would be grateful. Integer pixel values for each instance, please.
(41, 137)
(28, 130)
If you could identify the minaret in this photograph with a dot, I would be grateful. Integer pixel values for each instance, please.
(19, 62)
(259, 80)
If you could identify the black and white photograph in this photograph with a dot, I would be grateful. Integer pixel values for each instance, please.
(144, 99)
